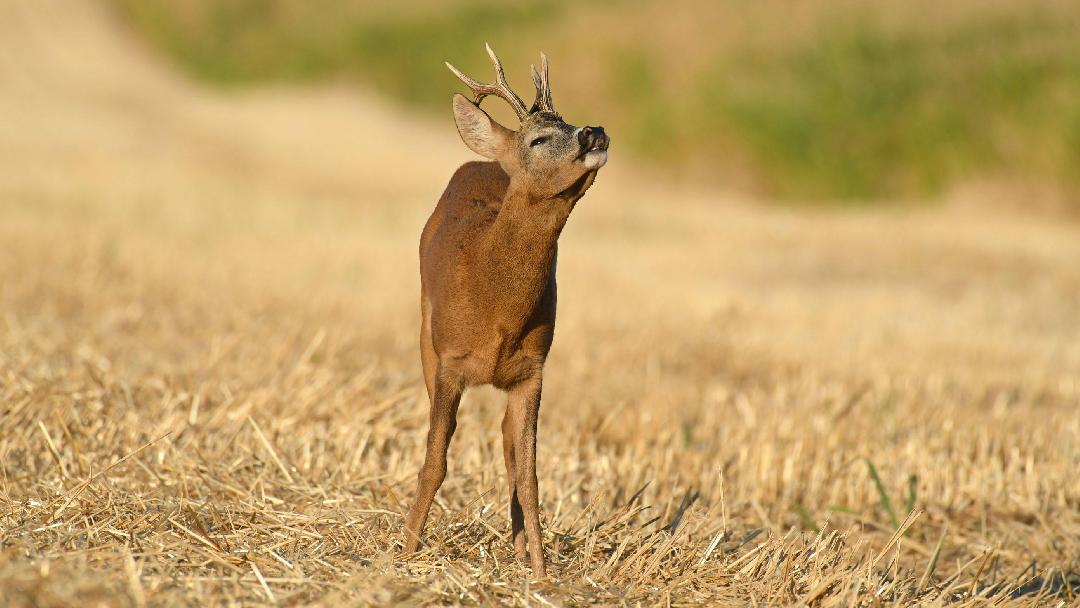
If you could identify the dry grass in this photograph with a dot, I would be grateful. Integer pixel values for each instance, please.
(210, 394)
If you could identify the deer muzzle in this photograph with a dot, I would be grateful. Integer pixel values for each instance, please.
(594, 144)
(592, 138)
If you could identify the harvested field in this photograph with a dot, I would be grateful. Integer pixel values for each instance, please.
(210, 389)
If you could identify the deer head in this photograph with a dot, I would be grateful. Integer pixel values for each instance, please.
(546, 156)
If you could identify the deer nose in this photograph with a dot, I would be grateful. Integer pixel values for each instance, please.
(592, 137)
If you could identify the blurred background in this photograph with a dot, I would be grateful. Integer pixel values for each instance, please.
(812, 101)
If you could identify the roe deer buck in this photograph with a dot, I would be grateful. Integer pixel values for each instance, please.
(487, 274)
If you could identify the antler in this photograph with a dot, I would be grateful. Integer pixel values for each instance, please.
(543, 87)
(499, 88)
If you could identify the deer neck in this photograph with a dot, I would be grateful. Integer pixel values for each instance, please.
(521, 245)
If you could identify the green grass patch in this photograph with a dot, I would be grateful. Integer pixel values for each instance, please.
(862, 112)
(245, 41)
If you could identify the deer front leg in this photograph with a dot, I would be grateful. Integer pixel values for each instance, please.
(444, 407)
(523, 408)
(517, 519)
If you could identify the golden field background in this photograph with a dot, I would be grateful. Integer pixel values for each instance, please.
(811, 102)
(210, 389)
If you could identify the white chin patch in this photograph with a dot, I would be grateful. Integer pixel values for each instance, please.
(595, 159)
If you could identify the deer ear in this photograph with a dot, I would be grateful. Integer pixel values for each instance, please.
(478, 130)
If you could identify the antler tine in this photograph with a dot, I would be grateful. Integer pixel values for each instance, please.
(539, 84)
(542, 82)
(500, 81)
(500, 88)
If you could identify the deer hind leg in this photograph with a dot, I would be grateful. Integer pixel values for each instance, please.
(428, 359)
(444, 407)
(517, 518)
(523, 408)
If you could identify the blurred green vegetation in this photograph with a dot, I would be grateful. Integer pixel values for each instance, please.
(839, 101)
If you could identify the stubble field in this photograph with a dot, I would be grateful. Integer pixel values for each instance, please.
(210, 390)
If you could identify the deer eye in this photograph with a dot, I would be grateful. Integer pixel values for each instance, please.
(538, 141)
